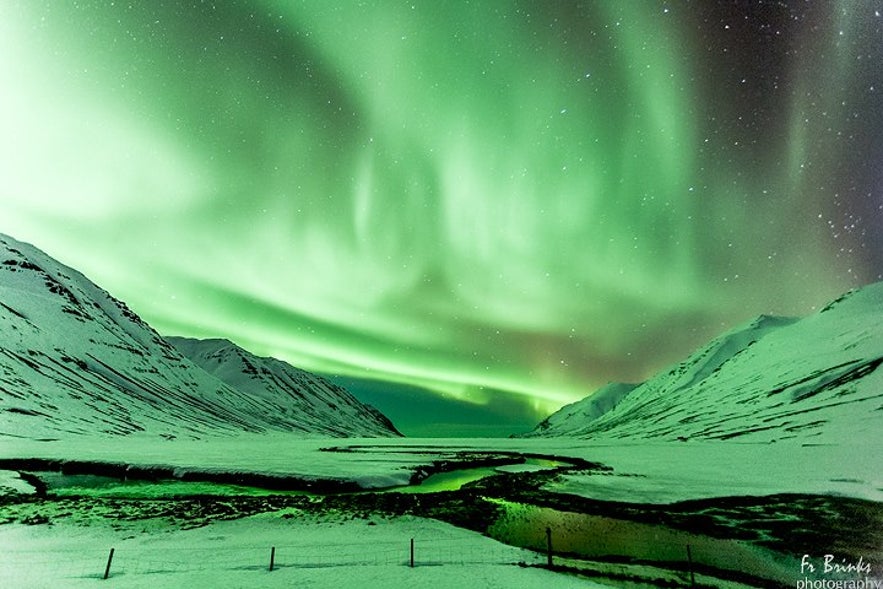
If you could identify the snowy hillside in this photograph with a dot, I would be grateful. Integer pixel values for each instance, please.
(585, 410)
(74, 360)
(815, 380)
(298, 398)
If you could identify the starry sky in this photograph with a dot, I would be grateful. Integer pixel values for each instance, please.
(497, 205)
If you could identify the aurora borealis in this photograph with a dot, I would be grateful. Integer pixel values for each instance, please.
(477, 198)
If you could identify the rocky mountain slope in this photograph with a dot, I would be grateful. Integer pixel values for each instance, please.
(816, 379)
(76, 361)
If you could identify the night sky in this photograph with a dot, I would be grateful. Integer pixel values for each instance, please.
(506, 204)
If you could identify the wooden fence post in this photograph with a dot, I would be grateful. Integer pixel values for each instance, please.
(690, 565)
(412, 553)
(549, 546)
(107, 568)
(272, 557)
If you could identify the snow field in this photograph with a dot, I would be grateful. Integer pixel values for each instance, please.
(310, 552)
(643, 472)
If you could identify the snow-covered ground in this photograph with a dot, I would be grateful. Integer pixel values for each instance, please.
(645, 472)
(310, 552)
(65, 553)
(670, 472)
(11, 482)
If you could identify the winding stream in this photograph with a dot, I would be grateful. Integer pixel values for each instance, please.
(454, 480)
(591, 539)
(60, 484)
(618, 540)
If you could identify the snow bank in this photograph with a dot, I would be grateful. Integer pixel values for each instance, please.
(11, 483)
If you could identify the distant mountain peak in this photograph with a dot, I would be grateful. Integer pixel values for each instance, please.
(332, 409)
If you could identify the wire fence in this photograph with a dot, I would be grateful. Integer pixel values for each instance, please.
(665, 556)
(137, 560)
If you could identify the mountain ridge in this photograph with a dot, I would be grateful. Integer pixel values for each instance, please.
(812, 379)
(272, 379)
(76, 361)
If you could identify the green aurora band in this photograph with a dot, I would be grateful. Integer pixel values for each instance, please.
(469, 197)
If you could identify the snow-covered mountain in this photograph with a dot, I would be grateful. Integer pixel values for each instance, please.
(74, 360)
(584, 410)
(296, 396)
(816, 379)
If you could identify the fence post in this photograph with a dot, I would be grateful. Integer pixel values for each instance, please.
(412, 553)
(549, 546)
(107, 568)
(272, 557)
(690, 565)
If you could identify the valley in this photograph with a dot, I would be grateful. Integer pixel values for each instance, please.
(611, 531)
(740, 466)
